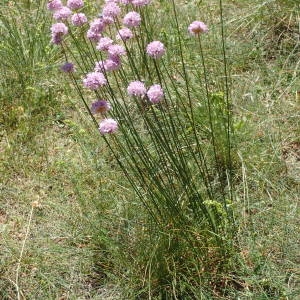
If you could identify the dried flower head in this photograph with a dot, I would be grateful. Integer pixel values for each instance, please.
(100, 106)
(68, 67)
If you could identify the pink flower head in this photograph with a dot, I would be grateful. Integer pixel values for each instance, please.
(156, 49)
(110, 64)
(104, 43)
(97, 25)
(62, 14)
(140, 2)
(113, 63)
(111, 9)
(116, 50)
(94, 80)
(68, 67)
(155, 93)
(54, 5)
(107, 20)
(100, 106)
(124, 34)
(108, 126)
(58, 30)
(132, 19)
(197, 27)
(137, 89)
(79, 19)
(99, 66)
(75, 4)
(93, 36)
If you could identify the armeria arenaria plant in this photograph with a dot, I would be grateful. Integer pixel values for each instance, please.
(169, 129)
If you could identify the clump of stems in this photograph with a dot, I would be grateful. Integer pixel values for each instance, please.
(173, 143)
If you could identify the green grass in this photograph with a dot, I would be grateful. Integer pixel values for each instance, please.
(87, 237)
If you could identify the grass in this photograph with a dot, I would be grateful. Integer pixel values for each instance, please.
(85, 239)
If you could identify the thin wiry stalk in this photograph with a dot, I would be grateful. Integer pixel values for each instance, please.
(186, 78)
(227, 98)
(212, 130)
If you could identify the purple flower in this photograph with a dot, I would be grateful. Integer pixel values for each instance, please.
(107, 20)
(140, 2)
(111, 9)
(56, 39)
(197, 27)
(113, 63)
(68, 67)
(100, 106)
(75, 4)
(155, 93)
(104, 43)
(108, 126)
(97, 26)
(79, 19)
(110, 64)
(156, 49)
(94, 80)
(58, 30)
(137, 89)
(99, 66)
(124, 34)
(93, 36)
(62, 14)
(115, 1)
(116, 50)
(132, 19)
(54, 5)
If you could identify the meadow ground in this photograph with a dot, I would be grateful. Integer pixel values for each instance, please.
(64, 201)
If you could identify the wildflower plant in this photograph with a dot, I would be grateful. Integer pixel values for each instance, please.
(170, 134)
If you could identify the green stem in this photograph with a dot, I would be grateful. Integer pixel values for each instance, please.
(210, 117)
(227, 99)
